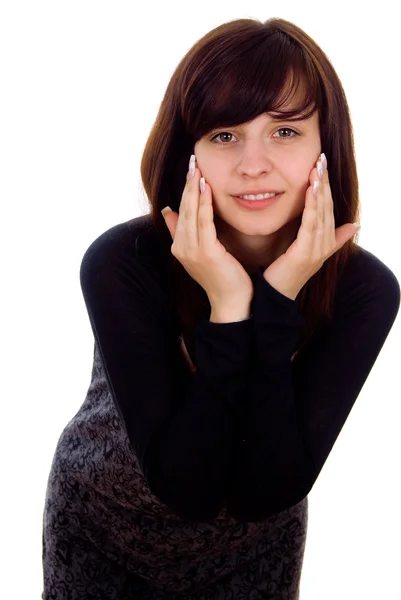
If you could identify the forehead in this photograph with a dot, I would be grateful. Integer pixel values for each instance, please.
(293, 101)
(291, 98)
(271, 117)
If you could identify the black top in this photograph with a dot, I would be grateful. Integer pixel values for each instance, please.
(250, 429)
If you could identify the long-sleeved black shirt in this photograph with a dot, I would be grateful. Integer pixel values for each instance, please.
(250, 429)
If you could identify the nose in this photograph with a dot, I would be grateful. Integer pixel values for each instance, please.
(255, 160)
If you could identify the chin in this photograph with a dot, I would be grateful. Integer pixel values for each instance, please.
(257, 229)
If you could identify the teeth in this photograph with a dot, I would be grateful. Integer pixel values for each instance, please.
(258, 197)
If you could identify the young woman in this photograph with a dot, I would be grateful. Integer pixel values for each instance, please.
(232, 337)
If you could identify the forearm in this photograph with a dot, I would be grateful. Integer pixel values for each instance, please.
(272, 467)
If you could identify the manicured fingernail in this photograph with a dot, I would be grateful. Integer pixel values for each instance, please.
(357, 225)
(324, 161)
(319, 168)
(202, 185)
(315, 187)
(166, 210)
(192, 165)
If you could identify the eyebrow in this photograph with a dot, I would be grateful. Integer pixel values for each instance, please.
(277, 117)
(274, 119)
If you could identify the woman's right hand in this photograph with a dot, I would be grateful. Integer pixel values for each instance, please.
(203, 256)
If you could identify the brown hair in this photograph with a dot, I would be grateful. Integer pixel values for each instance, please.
(233, 74)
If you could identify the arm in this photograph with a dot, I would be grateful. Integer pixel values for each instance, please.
(182, 428)
(295, 411)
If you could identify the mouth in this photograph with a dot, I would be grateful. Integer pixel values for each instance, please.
(255, 193)
(257, 204)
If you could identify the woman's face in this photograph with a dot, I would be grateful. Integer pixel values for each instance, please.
(262, 154)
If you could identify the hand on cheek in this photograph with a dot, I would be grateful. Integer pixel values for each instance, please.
(317, 238)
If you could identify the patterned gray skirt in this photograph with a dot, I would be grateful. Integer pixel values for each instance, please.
(107, 536)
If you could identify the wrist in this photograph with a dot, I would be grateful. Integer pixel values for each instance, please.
(223, 313)
(227, 317)
(290, 292)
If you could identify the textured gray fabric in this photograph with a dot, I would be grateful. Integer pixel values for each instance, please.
(105, 535)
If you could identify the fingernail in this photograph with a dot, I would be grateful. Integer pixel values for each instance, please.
(166, 210)
(324, 161)
(319, 168)
(192, 165)
(357, 225)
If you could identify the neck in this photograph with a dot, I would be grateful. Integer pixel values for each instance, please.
(255, 251)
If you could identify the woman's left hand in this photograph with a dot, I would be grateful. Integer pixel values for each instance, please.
(317, 238)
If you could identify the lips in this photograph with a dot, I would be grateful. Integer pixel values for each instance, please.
(256, 204)
(255, 192)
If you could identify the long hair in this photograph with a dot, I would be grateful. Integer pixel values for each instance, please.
(233, 74)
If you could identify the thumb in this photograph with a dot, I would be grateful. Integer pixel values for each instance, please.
(345, 233)
(170, 218)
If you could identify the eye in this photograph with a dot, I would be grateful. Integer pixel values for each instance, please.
(288, 129)
(228, 133)
(218, 135)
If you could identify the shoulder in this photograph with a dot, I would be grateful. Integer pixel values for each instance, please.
(133, 243)
(126, 259)
(125, 269)
(368, 281)
(123, 237)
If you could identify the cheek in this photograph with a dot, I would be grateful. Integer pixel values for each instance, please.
(300, 180)
(221, 202)
(209, 171)
(297, 194)
(301, 173)
(214, 174)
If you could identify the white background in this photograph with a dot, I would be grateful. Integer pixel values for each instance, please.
(81, 84)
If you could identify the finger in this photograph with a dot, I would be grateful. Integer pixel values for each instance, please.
(328, 241)
(171, 219)
(306, 233)
(314, 232)
(319, 195)
(311, 204)
(320, 228)
(207, 229)
(187, 225)
(343, 234)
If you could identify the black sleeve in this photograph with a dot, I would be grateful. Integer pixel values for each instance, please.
(296, 410)
(183, 433)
